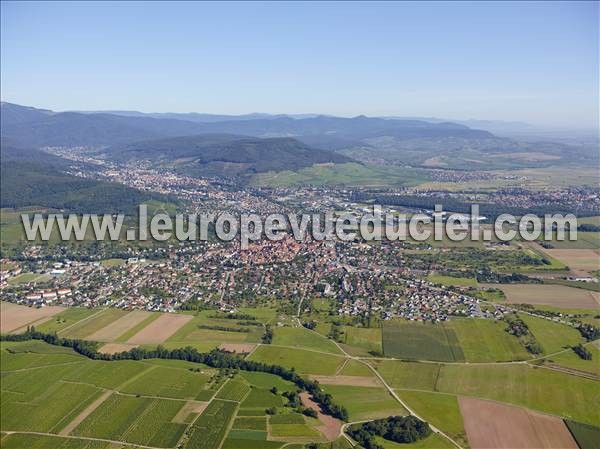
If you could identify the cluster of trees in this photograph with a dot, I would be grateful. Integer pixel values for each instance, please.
(582, 352)
(400, 429)
(243, 330)
(518, 328)
(267, 337)
(214, 358)
(235, 316)
(312, 324)
(336, 332)
(589, 331)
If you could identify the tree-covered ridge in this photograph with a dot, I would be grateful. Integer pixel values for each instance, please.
(215, 358)
(34, 178)
(400, 429)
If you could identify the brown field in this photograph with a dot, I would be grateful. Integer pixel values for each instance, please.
(160, 329)
(550, 295)
(15, 316)
(500, 426)
(119, 327)
(331, 427)
(238, 348)
(580, 261)
(189, 407)
(353, 381)
(114, 348)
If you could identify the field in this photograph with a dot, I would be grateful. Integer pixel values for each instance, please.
(14, 316)
(493, 425)
(118, 327)
(365, 402)
(587, 437)
(366, 338)
(421, 341)
(168, 382)
(305, 362)
(550, 295)
(84, 328)
(451, 280)
(571, 360)
(441, 410)
(303, 338)
(484, 340)
(234, 390)
(552, 336)
(160, 329)
(66, 318)
(209, 430)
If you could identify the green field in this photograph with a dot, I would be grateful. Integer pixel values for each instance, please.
(305, 362)
(365, 402)
(209, 430)
(571, 360)
(451, 280)
(553, 337)
(168, 382)
(441, 410)
(484, 340)
(362, 337)
(266, 380)
(66, 318)
(293, 431)
(301, 337)
(234, 390)
(250, 423)
(409, 375)
(421, 341)
(20, 441)
(263, 398)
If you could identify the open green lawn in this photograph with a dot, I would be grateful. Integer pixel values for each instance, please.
(441, 410)
(421, 341)
(365, 402)
(303, 338)
(552, 336)
(305, 362)
(484, 340)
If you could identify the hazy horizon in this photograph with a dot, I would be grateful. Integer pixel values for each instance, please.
(535, 63)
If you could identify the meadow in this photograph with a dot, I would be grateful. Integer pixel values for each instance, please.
(365, 402)
(421, 341)
(303, 338)
(304, 361)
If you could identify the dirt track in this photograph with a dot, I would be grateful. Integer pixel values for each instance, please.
(15, 316)
(160, 329)
(492, 425)
(331, 426)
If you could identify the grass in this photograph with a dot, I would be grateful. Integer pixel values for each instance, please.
(433, 441)
(484, 340)
(441, 410)
(85, 328)
(109, 263)
(355, 368)
(451, 280)
(20, 441)
(66, 318)
(105, 374)
(287, 418)
(303, 338)
(366, 338)
(365, 402)
(571, 360)
(552, 336)
(235, 443)
(421, 341)
(305, 362)
(411, 375)
(266, 380)
(262, 398)
(293, 430)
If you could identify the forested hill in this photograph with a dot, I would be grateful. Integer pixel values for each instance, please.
(33, 178)
(225, 154)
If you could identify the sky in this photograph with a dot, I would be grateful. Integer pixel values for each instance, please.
(532, 62)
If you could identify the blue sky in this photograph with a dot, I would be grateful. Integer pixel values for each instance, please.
(534, 62)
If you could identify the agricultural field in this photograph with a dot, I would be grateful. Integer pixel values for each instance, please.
(365, 402)
(120, 326)
(304, 361)
(303, 338)
(363, 337)
(209, 430)
(484, 340)
(65, 319)
(587, 437)
(452, 280)
(552, 336)
(441, 410)
(569, 359)
(234, 390)
(86, 327)
(550, 295)
(421, 341)
(14, 317)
